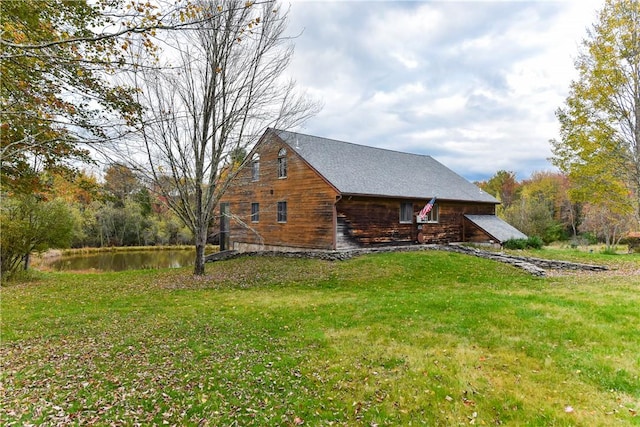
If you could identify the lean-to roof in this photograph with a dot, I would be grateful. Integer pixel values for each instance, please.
(496, 227)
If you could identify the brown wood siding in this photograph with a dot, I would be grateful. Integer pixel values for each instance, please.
(475, 234)
(451, 227)
(374, 220)
(310, 202)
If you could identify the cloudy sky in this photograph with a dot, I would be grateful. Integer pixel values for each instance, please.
(472, 83)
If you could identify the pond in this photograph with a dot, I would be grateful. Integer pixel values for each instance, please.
(119, 261)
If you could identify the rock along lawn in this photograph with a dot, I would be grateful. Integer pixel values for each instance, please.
(387, 339)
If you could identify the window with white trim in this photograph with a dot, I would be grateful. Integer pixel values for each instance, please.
(433, 215)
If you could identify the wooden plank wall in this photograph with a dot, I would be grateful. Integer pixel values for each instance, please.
(375, 220)
(310, 202)
(475, 234)
(452, 225)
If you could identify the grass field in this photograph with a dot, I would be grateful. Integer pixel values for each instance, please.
(425, 338)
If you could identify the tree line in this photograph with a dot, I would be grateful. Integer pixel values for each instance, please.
(544, 206)
(82, 211)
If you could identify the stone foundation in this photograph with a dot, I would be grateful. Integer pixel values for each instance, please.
(534, 266)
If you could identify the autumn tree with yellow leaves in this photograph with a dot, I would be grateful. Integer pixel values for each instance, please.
(599, 145)
(59, 93)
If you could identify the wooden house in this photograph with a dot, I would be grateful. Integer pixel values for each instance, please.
(299, 191)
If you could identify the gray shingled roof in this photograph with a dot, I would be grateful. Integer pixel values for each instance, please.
(496, 227)
(360, 170)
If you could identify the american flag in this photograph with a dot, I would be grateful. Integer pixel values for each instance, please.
(427, 208)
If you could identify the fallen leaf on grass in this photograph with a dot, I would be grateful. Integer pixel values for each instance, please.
(468, 402)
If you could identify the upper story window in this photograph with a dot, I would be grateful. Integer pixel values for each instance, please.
(406, 212)
(282, 163)
(255, 167)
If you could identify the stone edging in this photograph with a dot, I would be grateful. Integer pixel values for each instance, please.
(534, 266)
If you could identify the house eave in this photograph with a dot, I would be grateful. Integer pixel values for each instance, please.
(414, 197)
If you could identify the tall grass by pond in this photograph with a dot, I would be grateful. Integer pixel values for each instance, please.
(88, 250)
(388, 339)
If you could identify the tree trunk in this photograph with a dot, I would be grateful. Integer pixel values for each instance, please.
(201, 243)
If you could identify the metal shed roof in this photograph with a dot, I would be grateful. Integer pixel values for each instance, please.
(360, 170)
(496, 227)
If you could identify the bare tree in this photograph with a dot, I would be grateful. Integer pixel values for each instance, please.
(225, 89)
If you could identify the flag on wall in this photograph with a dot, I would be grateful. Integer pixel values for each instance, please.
(427, 208)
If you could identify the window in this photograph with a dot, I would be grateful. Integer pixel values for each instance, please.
(433, 215)
(255, 168)
(255, 212)
(282, 211)
(282, 163)
(406, 212)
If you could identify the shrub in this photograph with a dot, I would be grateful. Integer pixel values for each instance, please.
(609, 251)
(30, 224)
(591, 238)
(632, 240)
(533, 242)
(515, 244)
(553, 233)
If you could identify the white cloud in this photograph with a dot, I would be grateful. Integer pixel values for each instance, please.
(475, 84)
(409, 61)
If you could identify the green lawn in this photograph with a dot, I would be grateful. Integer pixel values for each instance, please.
(418, 338)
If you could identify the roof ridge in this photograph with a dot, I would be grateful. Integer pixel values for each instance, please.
(278, 131)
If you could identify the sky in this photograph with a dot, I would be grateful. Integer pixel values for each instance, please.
(474, 84)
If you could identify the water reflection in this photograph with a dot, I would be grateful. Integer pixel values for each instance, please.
(119, 261)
